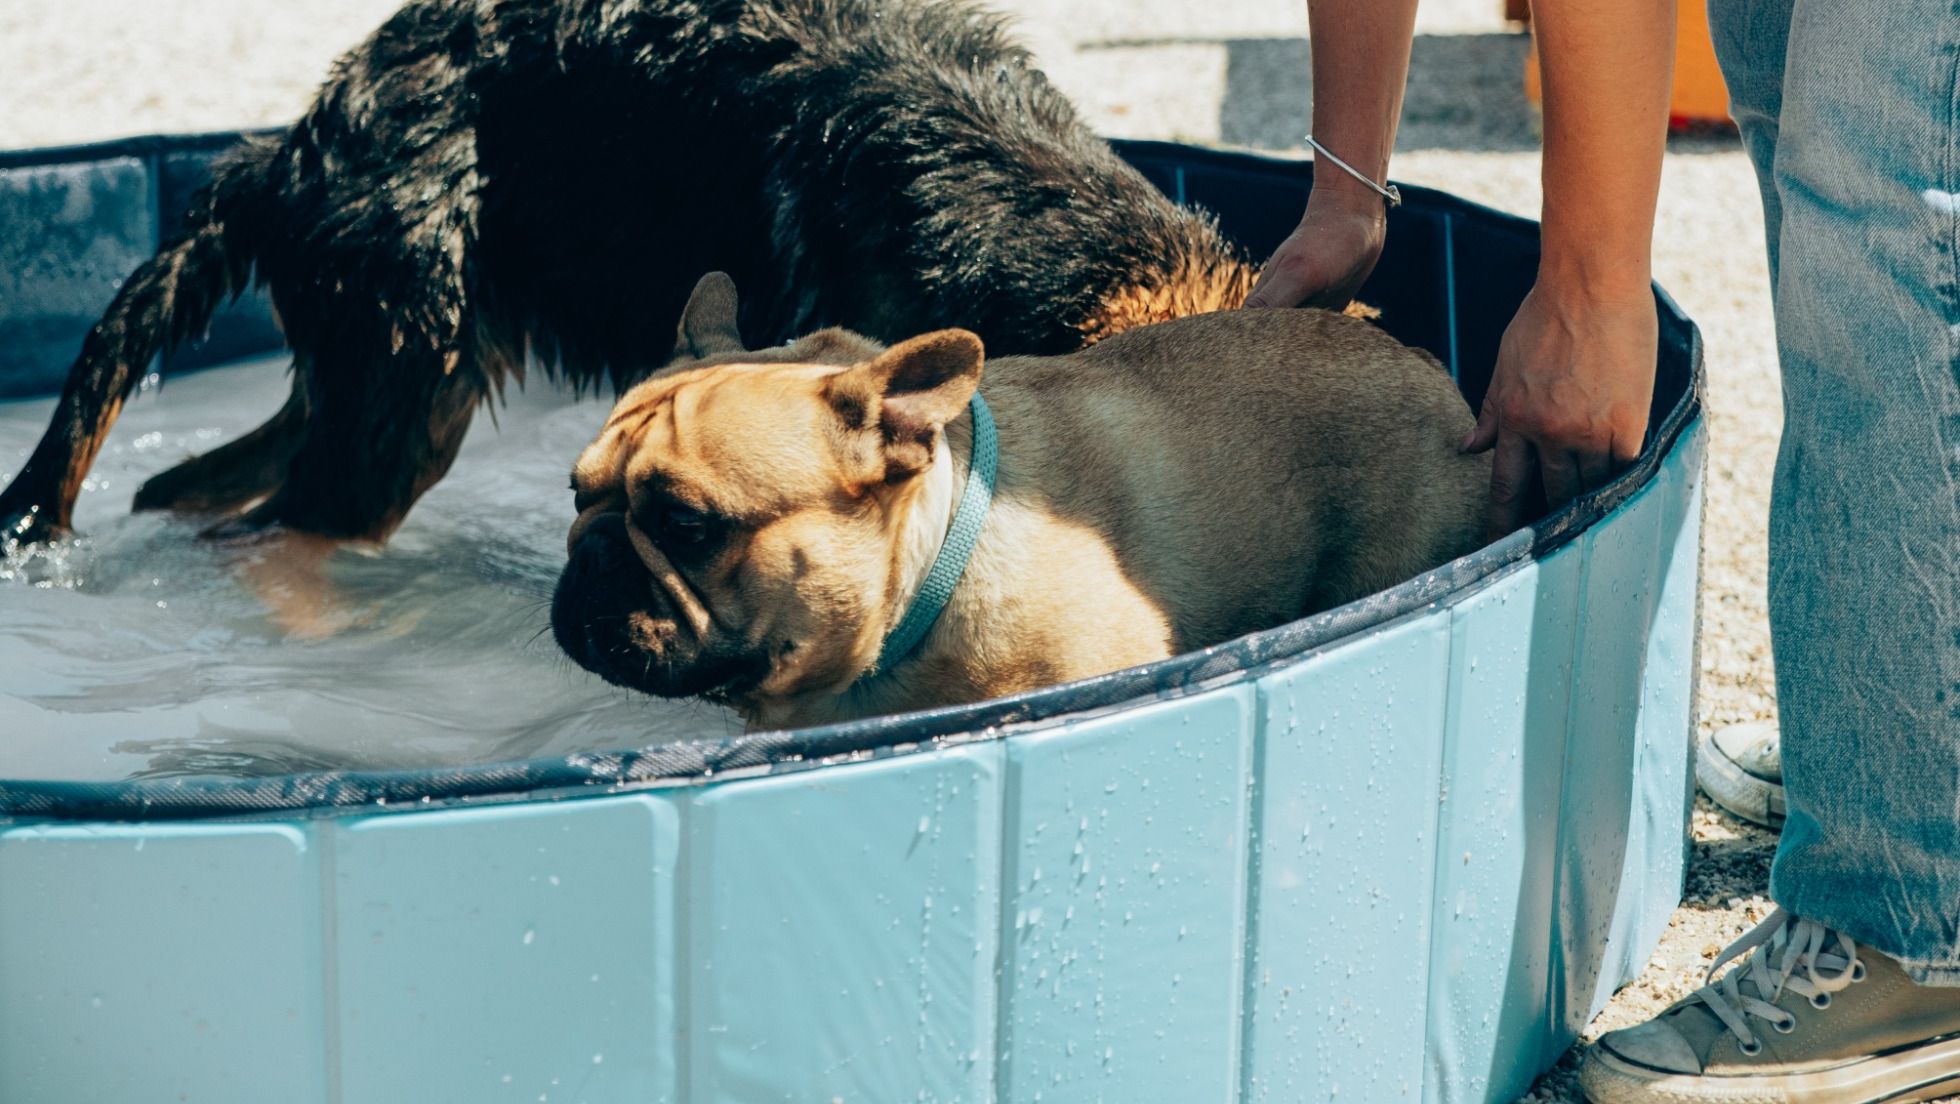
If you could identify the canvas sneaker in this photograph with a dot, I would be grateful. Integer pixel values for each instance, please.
(1740, 768)
(1807, 1018)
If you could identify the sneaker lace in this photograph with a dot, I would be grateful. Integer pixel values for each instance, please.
(1782, 945)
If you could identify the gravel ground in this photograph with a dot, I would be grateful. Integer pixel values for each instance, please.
(1228, 72)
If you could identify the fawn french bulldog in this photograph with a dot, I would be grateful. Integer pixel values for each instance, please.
(821, 531)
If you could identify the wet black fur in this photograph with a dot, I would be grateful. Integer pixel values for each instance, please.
(483, 177)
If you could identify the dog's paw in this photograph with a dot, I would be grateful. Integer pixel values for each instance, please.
(29, 525)
(35, 550)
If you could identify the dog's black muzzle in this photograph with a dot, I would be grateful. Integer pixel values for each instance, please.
(602, 596)
(616, 623)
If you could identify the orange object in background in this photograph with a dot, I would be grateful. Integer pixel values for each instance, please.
(1699, 98)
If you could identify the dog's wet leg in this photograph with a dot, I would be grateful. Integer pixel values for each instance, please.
(403, 343)
(235, 474)
(364, 461)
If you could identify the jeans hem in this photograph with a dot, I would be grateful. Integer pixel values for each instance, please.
(1938, 977)
(1936, 967)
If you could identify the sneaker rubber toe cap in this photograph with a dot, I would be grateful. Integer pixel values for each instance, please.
(1754, 747)
(1655, 1045)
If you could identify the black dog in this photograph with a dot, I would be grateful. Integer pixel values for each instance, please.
(483, 177)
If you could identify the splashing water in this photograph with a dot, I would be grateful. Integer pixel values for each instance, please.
(139, 650)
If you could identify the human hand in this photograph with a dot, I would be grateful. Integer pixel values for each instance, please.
(1327, 258)
(1569, 397)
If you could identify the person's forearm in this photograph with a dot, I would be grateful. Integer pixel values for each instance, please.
(1360, 65)
(1606, 66)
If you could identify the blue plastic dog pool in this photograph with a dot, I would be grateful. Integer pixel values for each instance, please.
(1399, 851)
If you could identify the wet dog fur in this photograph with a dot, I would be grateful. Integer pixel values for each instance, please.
(486, 183)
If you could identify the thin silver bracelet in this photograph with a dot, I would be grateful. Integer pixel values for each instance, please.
(1389, 192)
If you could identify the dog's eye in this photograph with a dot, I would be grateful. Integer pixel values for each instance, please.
(682, 527)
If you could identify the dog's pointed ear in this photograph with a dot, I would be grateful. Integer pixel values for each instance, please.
(708, 321)
(908, 393)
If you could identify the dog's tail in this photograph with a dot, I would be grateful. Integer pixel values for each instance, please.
(168, 298)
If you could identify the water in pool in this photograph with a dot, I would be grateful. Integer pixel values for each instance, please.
(138, 650)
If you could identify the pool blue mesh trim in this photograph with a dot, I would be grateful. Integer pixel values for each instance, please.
(1449, 309)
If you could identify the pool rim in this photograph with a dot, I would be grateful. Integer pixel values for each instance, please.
(703, 760)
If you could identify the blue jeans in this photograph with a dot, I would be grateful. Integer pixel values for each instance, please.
(1851, 112)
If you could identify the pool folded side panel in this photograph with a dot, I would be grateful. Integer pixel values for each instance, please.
(139, 963)
(1123, 919)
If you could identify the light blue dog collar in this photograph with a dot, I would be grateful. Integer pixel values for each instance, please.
(956, 550)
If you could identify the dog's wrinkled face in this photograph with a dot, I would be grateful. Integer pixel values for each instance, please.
(740, 516)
